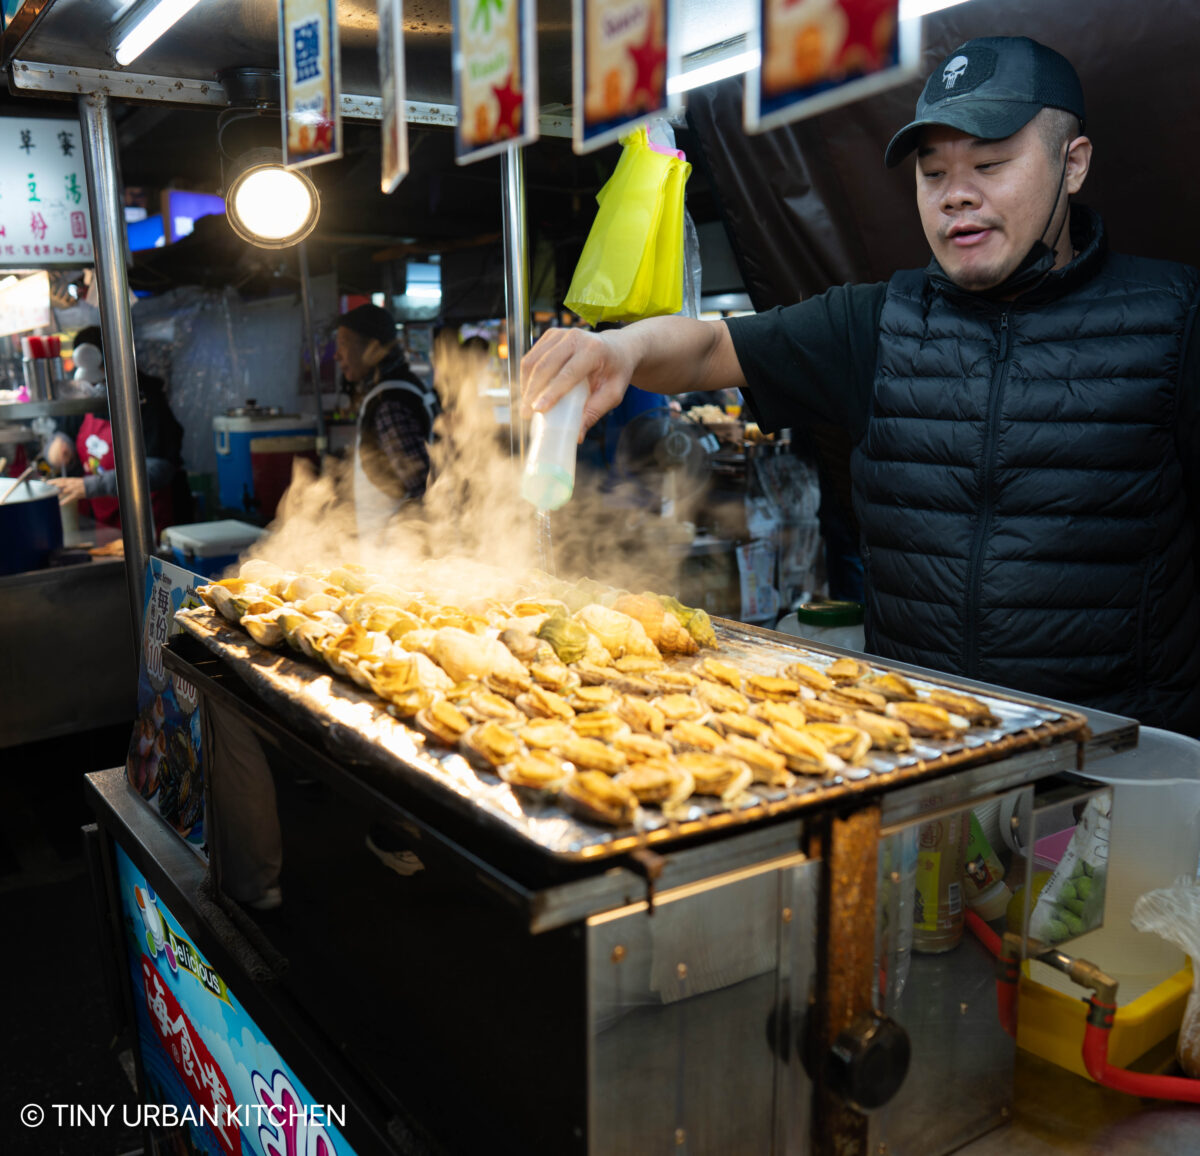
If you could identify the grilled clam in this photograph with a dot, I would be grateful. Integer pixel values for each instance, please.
(538, 702)
(218, 598)
(730, 722)
(537, 775)
(443, 721)
(482, 705)
(677, 708)
(891, 686)
(854, 698)
(403, 623)
(848, 670)
(303, 586)
(767, 766)
(827, 712)
(660, 782)
(671, 681)
(463, 655)
(719, 696)
(545, 733)
(265, 629)
(554, 675)
(771, 688)
(601, 697)
(963, 705)
(599, 724)
(718, 671)
(395, 676)
(887, 734)
(618, 633)
(926, 720)
(639, 747)
(640, 714)
(303, 634)
(637, 664)
(489, 745)
(593, 674)
(262, 572)
(594, 796)
(720, 775)
(660, 625)
(791, 714)
(591, 755)
(808, 676)
(526, 647)
(692, 736)
(406, 703)
(318, 603)
(508, 683)
(847, 742)
(805, 753)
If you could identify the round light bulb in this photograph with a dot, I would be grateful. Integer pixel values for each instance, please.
(273, 203)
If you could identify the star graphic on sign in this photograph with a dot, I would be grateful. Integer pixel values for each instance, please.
(648, 59)
(508, 123)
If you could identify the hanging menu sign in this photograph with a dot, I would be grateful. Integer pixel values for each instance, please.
(44, 213)
(622, 60)
(391, 90)
(309, 65)
(816, 56)
(495, 76)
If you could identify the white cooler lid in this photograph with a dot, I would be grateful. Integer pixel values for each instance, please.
(223, 423)
(209, 539)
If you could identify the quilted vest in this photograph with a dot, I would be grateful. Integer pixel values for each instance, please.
(1019, 487)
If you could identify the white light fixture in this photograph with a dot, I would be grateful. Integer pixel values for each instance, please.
(144, 24)
(268, 205)
(912, 9)
(714, 71)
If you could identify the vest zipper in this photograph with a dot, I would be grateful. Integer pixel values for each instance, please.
(982, 527)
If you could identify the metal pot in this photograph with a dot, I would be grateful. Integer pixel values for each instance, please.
(30, 526)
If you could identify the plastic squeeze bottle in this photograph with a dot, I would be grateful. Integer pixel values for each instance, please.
(549, 477)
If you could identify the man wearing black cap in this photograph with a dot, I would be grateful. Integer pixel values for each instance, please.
(1025, 410)
(396, 412)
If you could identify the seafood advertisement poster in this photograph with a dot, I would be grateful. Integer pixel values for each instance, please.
(165, 762)
(208, 1068)
(495, 77)
(391, 90)
(310, 65)
(622, 60)
(818, 54)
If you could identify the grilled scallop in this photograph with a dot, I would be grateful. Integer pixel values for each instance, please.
(406, 703)
(508, 683)
(599, 799)
(791, 714)
(805, 753)
(599, 724)
(926, 720)
(963, 705)
(818, 710)
(854, 698)
(891, 686)
(443, 721)
(768, 766)
(671, 681)
(808, 676)
(659, 782)
(718, 671)
(591, 755)
(538, 702)
(545, 733)
(718, 696)
(639, 747)
(719, 775)
(489, 745)
(554, 675)
(768, 687)
(887, 734)
(744, 725)
(483, 705)
(848, 670)
(638, 664)
(677, 708)
(537, 775)
(265, 629)
(641, 715)
(594, 698)
(847, 742)
(690, 736)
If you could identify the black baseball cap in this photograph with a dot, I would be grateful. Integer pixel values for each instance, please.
(370, 321)
(991, 87)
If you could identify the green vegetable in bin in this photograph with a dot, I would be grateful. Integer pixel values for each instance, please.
(1072, 902)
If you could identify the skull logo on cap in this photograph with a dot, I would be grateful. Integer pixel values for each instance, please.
(953, 71)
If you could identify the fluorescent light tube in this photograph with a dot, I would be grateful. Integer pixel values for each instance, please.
(145, 28)
(717, 70)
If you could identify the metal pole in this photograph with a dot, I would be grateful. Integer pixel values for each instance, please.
(516, 286)
(120, 369)
(313, 352)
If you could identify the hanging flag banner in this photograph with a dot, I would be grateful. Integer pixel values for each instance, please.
(391, 90)
(495, 76)
(44, 213)
(309, 63)
(622, 58)
(818, 54)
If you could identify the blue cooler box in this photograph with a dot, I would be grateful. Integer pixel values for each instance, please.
(210, 548)
(233, 432)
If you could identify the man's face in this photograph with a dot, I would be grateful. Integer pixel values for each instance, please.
(984, 203)
(348, 353)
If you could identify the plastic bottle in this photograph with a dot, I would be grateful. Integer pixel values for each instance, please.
(983, 876)
(938, 918)
(549, 477)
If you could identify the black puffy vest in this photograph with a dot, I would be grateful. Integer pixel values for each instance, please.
(1019, 487)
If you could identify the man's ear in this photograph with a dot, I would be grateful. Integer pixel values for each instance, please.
(1079, 161)
(373, 353)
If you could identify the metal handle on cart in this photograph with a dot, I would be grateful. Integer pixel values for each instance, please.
(868, 1062)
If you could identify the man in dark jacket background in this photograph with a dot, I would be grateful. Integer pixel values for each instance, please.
(1025, 411)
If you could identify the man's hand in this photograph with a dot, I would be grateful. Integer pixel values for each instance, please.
(60, 452)
(69, 489)
(562, 358)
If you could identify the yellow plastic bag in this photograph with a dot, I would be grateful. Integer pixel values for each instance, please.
(632, 262)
